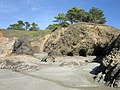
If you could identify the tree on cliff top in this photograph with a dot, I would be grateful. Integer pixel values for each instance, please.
(27, 25)
(72, 14)
(20, 25)
(14, 27)
(34, 27)
(60, 18)
(52, 27)
(97, 15)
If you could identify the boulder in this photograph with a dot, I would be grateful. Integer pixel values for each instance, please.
(80, 39)
(23, 46)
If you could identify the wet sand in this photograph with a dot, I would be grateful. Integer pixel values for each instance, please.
(52, 78)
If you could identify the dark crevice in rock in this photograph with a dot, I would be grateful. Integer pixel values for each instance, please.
(82, 52)
(69, 54)
(98, 50)
(114, 45)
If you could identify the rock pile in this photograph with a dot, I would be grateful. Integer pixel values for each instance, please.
(21, 63)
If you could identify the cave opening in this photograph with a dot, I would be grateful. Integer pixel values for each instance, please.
(82, 52)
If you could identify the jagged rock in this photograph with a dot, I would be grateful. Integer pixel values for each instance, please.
(110, 64)
(23, 46)
(80, 39)
(112, 52)
(52, 37)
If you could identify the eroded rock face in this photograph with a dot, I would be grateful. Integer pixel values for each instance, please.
(81, 39)
(112, 52)
(1, 34)
(22, 46)
(6, 45)
(41, 43)
(109, 68)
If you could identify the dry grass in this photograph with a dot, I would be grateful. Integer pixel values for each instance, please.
(33, 35)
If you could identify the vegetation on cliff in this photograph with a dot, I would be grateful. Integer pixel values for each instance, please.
(74, 15)
(33, 35)
(20, 25)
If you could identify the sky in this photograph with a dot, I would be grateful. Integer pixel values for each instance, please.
(43, 11)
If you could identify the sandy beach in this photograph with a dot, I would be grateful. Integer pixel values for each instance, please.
(53, 77)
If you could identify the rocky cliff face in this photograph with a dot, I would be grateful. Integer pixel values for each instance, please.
(112, 52)
(109, 69)
(51, 38)
(80, 39)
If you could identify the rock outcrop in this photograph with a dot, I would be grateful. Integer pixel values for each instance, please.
(9, 47)
(112, 52)
(22, 46)
(53, 37)
(109, 68)
(80, 39)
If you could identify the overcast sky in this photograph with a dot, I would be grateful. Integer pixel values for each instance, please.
(43, 11)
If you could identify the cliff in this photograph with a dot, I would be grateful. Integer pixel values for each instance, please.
(80, 39)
